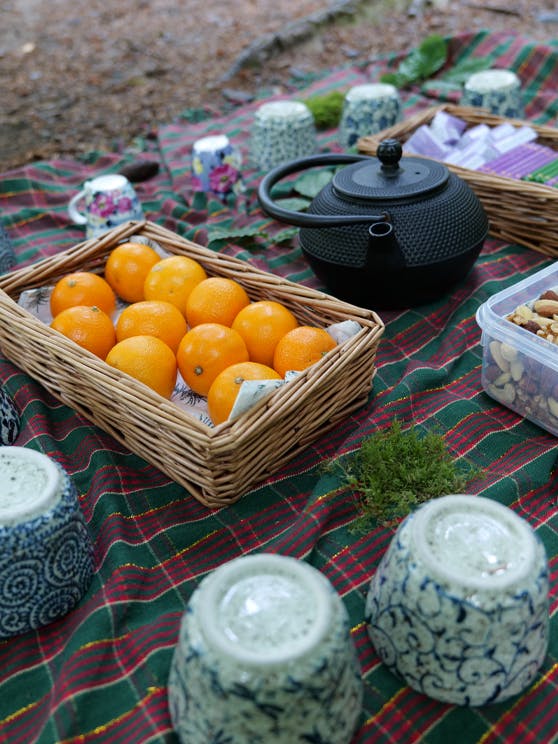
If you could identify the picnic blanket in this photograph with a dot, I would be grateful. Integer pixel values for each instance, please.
(100, 673)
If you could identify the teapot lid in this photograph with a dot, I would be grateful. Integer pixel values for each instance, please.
(385, 178)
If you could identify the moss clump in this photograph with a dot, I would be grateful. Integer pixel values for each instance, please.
(326, 109)
(394, 471)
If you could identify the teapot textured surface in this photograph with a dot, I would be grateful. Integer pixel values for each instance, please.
(438, 227)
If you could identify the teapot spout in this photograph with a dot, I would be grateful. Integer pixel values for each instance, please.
(383, 247)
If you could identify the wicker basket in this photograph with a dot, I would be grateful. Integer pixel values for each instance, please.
(519, 212)
(217, 465)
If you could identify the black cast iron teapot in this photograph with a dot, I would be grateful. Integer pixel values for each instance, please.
(386, 231)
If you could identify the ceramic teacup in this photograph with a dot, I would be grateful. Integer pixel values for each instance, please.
(7, 256)
(46, 561)
(216, 164)
(498, 91)
(367, 109)
(264, 655)
(459, 606)
(282, 131)
(106, 201)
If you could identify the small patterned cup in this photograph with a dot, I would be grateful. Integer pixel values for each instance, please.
(216, 164)
(498, 91)
(264, 655)
(459, 605)
(7, 255)
(282, 131)
(367, 109)
(46, 555)
(108, 201)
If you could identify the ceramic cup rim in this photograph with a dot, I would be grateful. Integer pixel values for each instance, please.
(467, 579)
(494, 80)
(371, 91)
(238, 568)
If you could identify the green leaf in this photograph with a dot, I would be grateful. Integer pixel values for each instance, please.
(281, 189)
(310, 184)
(459, 73)
(285, 235)
(422, 62)
(234, 233)
(294, 204)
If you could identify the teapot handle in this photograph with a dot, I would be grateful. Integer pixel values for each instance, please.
(300, 219)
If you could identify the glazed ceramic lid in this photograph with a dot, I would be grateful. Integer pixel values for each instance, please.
(29, 485)
(265, 609)
(471, 541)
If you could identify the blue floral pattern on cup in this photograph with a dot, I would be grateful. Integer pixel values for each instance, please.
(46, 564)
(312, 697)
(282, 131)
(467, 647)
(368, 109)
(10, 420)
(498, 91)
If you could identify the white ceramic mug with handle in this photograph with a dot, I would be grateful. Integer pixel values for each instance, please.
(105, 201)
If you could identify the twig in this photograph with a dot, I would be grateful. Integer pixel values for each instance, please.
(494, 9)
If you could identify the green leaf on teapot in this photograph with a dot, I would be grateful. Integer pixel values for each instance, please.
(310, 184)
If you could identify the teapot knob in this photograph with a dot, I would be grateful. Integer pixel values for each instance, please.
(389, 153)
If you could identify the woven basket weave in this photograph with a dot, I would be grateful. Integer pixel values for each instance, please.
(519, 212)
(217, 465)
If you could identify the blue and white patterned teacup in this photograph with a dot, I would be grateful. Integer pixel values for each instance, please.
(264, 655)
(282, 131)
(367, 109)
(459, 605)
(108, 201)
(46, 555)
(216, 164)
(498, 91)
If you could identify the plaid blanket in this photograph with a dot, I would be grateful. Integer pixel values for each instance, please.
(100, 673)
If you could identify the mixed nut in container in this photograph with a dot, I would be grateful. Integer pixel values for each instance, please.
(519, 337)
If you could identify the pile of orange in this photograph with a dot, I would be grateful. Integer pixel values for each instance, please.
(180, 320)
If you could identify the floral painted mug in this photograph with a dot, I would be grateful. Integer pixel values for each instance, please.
(108, 201)
(216, 165)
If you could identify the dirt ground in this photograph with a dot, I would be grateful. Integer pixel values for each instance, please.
(79, 75)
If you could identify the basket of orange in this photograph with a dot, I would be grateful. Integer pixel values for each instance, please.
(132, 332)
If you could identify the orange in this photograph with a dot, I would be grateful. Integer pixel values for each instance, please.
(261, 325)
(300, 348)
(205, 351)
(89, 327)
(126, 268)
(225, 388)
(82, 288)
(148, 359)
(172, 280)
(215, 300)
(152, 318)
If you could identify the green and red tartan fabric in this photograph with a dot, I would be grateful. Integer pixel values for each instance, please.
(100, 673)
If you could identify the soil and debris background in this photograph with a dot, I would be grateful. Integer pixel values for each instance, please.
(83, 75)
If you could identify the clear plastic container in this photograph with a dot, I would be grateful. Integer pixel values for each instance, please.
(519, 368)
